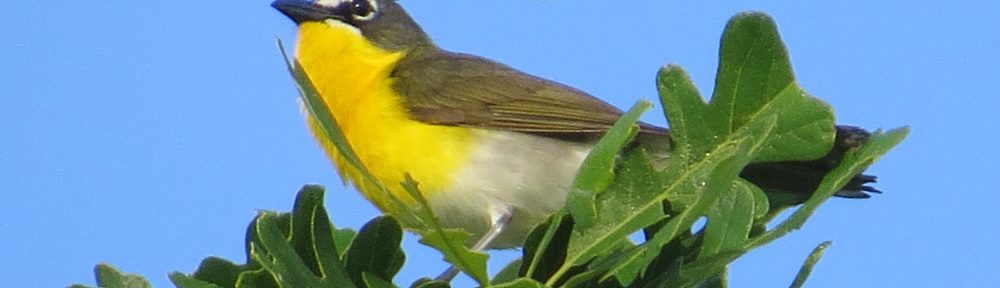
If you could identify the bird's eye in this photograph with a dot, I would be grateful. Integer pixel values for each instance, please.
(362, 10)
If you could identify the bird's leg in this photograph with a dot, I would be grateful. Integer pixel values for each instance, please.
(500, 218)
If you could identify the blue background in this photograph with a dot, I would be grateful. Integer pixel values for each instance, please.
(146, 134)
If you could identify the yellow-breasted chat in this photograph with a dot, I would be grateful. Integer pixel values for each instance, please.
(494, 149)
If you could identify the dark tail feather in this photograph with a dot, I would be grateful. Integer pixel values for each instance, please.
(803, 177)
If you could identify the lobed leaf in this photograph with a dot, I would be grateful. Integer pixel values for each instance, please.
(376, 251)
(755, 80)
(450, 242)
(110, 277)
(597, 171)
(184, 281)
(545, 249)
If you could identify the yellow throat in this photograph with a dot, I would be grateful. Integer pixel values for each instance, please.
(468, 175)
(352, 77)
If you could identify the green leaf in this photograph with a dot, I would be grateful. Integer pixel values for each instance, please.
(610, 266)
(307, 203)
(703, 270)
(259, 278)
(342, 238)
(429, 283)
(252, 274)
(183, 281)
(750, 140)
(521, 283)
(110, 277)
(635, 200)
(722, 167)
(218, 271)
(508, 273)
(754, 84)
(730, 220)
(284, 223)
(588, 279)
(279, 258)
(326, 247)
(755, 79)
(450, 242)
(687, 112)
(632, 202)
(807, 267)
(308, 256)
(719, 280)
(374, 281)
(376, 251)
(763, 204)
(597, 170)
(854, 162)
(545, 247)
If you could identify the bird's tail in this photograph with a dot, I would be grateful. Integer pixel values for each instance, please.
(803, 177)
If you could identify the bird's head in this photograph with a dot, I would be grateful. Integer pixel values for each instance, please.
(382, 22)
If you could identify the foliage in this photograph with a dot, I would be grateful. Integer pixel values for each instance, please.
(758, 113)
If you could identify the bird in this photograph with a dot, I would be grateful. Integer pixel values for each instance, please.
(494, 149)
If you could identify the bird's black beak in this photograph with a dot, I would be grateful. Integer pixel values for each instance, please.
(304, 10)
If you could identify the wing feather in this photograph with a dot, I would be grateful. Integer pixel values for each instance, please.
(459, 89)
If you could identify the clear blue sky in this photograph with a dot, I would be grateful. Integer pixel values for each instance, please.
(147, 133)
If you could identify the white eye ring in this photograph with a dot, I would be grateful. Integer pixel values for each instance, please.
(372, 10)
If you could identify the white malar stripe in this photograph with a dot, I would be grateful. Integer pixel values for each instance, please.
(338, 24)
(331, 3)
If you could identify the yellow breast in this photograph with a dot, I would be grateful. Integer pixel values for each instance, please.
(352, 77)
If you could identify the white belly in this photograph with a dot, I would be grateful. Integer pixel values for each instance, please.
(526, 174)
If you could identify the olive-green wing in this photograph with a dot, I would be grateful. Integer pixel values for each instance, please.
(458, 89)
